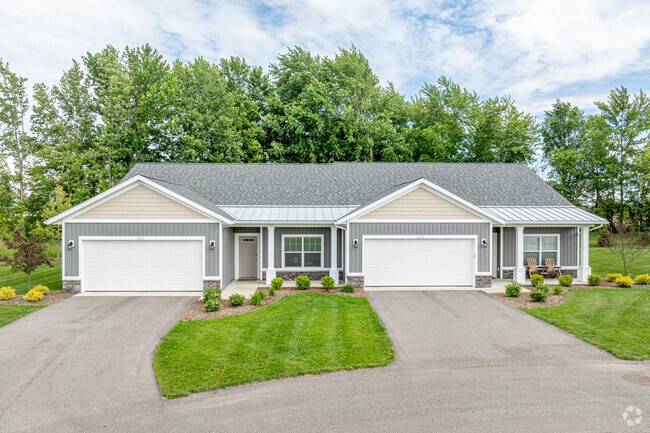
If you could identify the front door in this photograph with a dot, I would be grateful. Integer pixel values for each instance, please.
(247, 258)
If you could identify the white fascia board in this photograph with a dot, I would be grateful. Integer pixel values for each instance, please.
(432, 188)
(126, 186)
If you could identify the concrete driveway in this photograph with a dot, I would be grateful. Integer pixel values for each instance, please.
(465, 362)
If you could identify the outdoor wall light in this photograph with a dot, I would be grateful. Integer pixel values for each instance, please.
(70, 245)
(355, 243)
(484, 243)
(213, 245)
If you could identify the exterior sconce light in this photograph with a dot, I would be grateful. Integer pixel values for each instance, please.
(213, 245)
(484, 243)
(70, 245)
(355, 243)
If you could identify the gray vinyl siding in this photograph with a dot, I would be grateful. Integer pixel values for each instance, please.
(568, 243)
(228, 256)
(340, 242)
(279, 231)
(358, 230)
(74, 230)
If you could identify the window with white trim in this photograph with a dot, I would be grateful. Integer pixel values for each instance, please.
(302, 251)
(542, 246)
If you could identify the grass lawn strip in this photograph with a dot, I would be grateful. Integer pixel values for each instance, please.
(50, 277)
(9, 313)
(306, 333)
(616, 320)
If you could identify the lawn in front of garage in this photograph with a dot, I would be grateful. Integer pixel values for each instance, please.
(50, 277)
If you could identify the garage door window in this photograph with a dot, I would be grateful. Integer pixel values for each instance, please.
(540, 247)
(302, 251)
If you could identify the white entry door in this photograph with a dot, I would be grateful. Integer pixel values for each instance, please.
(419, 262)
(142, 265)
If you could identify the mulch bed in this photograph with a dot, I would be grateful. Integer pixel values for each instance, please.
(48, 299)
(197, 312)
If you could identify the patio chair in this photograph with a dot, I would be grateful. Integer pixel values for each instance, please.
(550, 269)
(531, 266)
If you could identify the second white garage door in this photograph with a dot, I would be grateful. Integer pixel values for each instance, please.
(419, 262)
(142, 265)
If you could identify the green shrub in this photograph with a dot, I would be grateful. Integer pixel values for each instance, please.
(594, 280)
(642, 279)
(212, 304)
(211, 294)
(348, 288)
(536, 279)
(327, 282)
(558, 290)
(539, 293)
(271, 291)
(33, 296)
(236, 299)
(624, 282)
(513, 289)
(565, 280)
(7, 293)
(613, 277)
(276, 283)
(303, 282)
(257, 298)
(41, 288)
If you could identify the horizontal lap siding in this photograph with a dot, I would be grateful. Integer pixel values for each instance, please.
(358, 230)
(568, 243)
(74, 230)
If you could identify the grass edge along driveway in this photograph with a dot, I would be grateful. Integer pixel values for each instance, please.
(9, 313)
(306, 333)
(616, 320)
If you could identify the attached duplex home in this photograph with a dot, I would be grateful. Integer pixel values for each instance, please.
(185, 227)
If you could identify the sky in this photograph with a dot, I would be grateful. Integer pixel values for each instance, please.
(533, 51)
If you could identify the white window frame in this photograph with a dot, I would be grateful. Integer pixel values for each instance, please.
(302, 253)
(540, 251)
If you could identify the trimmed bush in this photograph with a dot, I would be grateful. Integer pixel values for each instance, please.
(276, 283)
(33, 296)
(613, 277)
(212, 299)
(257, 298)
(7, 293)
(594, 280)
(41, 288)
(558, 290)
(642, 279)
(348, 288)
(539, 293)
(536, 279)
(303, 282)
(327, 282)
(236, 299)
(624, 282)
(513, 289)
(565, 280)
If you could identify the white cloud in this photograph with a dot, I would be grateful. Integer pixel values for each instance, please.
(531, 50)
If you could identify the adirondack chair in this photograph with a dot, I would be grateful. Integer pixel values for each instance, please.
(531, 266)
(550, 269)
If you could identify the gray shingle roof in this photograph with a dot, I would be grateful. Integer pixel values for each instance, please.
(345, 184)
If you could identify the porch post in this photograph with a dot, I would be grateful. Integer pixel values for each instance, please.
(584, 270)
(520, 270)
(270, 269)
(334, 269)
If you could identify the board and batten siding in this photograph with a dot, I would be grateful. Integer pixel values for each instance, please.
(74, 230)
(301, 230)
(568, 243)
(141, 203)
(420, 204)
(360, 229)
(228, 251)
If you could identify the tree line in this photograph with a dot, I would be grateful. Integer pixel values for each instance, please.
(115, 108)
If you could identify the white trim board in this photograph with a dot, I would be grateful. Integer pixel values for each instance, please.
(306, 235)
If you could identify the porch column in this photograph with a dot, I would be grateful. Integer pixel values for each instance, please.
(584, 270)
(520, 270)
(334, 269)
(270, 269)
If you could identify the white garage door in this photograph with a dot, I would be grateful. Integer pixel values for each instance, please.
(419, 262)
(142, 265)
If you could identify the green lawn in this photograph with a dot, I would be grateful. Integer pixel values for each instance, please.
(617, 320)
(603, 261)
(9, 313)
(307, 333)
(50, 277)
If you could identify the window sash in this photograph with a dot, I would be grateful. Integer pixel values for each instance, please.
(302, 251)
(543, 249)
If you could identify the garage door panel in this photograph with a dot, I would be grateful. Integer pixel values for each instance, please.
(419, 262)
(146, 265)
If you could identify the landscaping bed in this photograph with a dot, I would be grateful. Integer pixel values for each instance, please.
(197, 312)
(524, 301)
(48, 299)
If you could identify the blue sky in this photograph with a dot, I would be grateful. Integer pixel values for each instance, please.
(534, 51)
